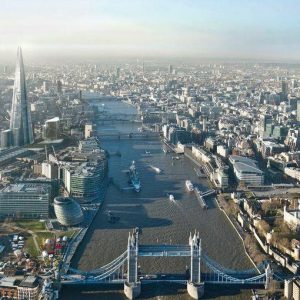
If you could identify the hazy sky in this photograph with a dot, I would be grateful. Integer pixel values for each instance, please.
(258, 29)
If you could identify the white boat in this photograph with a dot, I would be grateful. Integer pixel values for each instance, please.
(171, 197)
(134, 178)
(189, 185)
(156, 169)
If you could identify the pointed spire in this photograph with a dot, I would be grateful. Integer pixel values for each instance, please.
(20, 122)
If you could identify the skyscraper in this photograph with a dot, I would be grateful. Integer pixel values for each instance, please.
(298, 110)
(20, 119)
(284, 90)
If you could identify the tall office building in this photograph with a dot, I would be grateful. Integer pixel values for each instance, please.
(118, 70)
(284, 90)
(266, 125)
(298, 110)
(20, 119)
(59, 87)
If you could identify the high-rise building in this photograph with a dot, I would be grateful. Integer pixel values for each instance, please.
(88, 130)
(266, 125)
(59, 87)
(45, 86)
(118, 70)
(284, 90)
(298, 110)
(52, 129)
(20, 120)
(170, 69)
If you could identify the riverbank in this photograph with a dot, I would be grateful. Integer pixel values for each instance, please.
(238, 230)
(80, 235)
(222, 207)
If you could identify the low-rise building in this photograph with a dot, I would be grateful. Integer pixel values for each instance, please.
(29, 288)
(246, 170)
(13, 288)
(292, 217)
(292, 289)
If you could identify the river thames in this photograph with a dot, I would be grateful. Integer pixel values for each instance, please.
(162, 221)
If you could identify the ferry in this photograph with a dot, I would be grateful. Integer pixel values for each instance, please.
(156, 169)
(134, 178)
(175, 157)
(171, 197)
(189, 185)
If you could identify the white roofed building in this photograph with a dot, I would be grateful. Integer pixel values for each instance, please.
(246, 170)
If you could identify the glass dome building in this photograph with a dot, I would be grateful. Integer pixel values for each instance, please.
(68, 212)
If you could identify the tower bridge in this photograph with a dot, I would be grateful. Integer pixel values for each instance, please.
(124, 269)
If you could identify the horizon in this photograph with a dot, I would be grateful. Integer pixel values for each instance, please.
(221, 30)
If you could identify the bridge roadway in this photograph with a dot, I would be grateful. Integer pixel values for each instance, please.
(133, 135)
(165, 250)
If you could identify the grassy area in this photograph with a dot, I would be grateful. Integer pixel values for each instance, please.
(42, 236)
(34, 225)
(68, 233)
(30, 247)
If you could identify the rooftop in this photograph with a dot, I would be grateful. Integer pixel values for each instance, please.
(55, 119)
(29, 281)
(26, 187)
(244, 164)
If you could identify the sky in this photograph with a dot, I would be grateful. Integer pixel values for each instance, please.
(220, 29)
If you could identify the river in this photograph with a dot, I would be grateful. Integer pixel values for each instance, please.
(162, 221)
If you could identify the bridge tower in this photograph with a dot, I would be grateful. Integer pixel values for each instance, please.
(195, 287)
(269, 277)
(132, 287)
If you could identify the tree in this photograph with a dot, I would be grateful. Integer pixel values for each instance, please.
(264, 227)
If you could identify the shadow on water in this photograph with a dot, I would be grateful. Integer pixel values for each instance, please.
(167, 290)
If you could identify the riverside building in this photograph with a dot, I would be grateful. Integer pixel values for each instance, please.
(83, 170)
(68, 212)
(25, 201)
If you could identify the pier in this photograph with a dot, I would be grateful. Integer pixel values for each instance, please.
(200, 196)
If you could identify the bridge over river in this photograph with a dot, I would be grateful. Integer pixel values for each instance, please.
(112, 134)
(125, 269)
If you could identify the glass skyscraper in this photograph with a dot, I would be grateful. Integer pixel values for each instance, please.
(20, 119)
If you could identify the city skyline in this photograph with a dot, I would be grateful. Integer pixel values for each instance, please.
(228, 30)
(139, 138)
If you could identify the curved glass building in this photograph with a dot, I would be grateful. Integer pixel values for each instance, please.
(68, 212)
